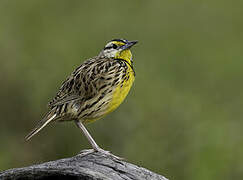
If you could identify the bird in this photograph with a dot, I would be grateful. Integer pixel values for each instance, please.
(93, 90)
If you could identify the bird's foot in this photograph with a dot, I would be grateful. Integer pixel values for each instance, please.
(86, 152)
(99, 150)
(108, 153)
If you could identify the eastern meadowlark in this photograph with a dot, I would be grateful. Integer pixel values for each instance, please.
(94, 89)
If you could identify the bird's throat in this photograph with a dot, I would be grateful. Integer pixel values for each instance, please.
(125, 55)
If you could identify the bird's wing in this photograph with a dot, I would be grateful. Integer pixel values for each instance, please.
(87, 80)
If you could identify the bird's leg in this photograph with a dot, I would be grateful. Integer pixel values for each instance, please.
(88, 136)
(92, 142)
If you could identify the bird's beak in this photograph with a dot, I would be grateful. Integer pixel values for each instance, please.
(128, 45)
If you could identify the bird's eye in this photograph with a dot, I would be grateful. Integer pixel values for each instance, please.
(114, 46)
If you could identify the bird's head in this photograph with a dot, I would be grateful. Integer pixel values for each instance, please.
(118, 48)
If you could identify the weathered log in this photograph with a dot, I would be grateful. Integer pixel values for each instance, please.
(87, 165)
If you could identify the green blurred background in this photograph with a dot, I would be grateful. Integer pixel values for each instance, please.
(183, 116)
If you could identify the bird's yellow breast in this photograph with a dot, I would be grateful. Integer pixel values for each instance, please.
(121, 91)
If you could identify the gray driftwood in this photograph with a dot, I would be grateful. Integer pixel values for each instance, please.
(85, 166)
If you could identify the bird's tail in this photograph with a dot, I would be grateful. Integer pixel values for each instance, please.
(41, 124)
